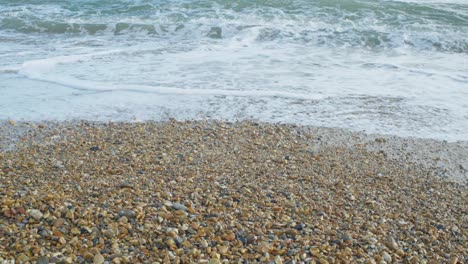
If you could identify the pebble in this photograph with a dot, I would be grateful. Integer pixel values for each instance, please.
(109, 233)
(22, 258)
(392, 244)
(98, 259)
(214, 261)
(386, 257)
(36, 214)
(160, 193)
(127, 213)
(179, 206)
(453, 260)
(59, 222)
(43, 260)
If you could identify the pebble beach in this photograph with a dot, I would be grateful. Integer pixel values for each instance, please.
(222, 192)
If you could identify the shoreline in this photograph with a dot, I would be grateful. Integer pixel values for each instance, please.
(217, 192)
(448, 160)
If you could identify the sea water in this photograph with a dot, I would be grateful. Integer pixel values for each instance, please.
(379, 66)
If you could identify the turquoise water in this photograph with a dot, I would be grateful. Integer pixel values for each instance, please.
(393, 67)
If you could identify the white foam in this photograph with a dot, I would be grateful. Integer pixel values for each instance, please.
(101, 86)
(42, 70)
(43, 66)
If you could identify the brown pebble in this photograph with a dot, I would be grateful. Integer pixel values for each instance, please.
(108, 233)
(453, 260)
(182, 192)
(98, 259)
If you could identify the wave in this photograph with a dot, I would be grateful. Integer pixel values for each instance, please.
(329, 35)
(42, 70)
(345, 23)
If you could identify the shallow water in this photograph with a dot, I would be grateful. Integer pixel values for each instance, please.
(391, 67)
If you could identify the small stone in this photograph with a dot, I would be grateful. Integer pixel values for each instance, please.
(124, 185)
(59, 222)
(55, 259)
(204, 243)
(36, 214)
(75, 231)
(70, 214)
(127, 213)
(278, 260)
(315, 252)
(453, 260)
(323, 261)
(98, 259)
(300, 226)
(43, 260)
(386, 257)
(292, 232)
(392, 244)
(109, 233)
(22, 258)
(58, 164)
(223, 250)
(179, 206)
(380, 140)
(346, 237)
(214, 261)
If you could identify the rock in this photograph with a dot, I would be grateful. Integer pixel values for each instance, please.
(43, 260)
(204, 243)
(179, 206)
(323, 261)
(215, 32)
(98, 259)
(75, 231)
(346, 237)
(108, 233)
(380, 140)
(278, 260)
(36, 214)
(124, 185)
(214, 261)
(127, 213)
(386, 257)
(59, 222)
(453, 260)
(55, 259)
(300, 226)
(58, 165)
(22, 258)
(392, 244)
